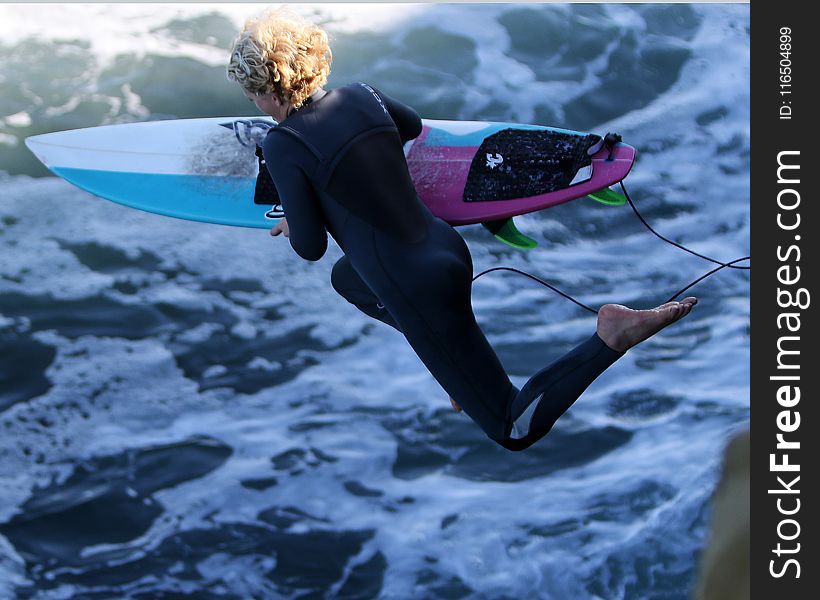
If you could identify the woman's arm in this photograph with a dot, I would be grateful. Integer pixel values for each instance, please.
(306, 225)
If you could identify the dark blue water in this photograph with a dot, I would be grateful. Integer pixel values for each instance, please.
(188, 410)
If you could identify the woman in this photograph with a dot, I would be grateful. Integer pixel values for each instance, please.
(337, 161)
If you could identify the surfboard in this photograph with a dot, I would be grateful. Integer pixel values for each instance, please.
(207, 170)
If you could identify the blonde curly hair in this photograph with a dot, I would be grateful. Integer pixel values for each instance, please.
(279, 52)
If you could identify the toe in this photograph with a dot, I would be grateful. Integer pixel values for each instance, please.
(680, 312)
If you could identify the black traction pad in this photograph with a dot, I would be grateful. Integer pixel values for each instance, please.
(519, 163)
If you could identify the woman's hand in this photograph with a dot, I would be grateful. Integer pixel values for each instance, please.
(281, 227)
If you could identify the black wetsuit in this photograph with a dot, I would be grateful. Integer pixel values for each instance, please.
(339, 167)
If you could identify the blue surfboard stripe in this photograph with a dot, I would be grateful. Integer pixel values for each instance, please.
(440, 137)
(205, 198)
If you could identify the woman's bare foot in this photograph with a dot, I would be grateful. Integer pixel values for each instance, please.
(620, 327)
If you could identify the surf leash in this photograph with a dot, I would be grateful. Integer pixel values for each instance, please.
(721, 265)
(682, 247)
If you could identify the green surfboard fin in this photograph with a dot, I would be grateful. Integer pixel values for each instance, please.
(506, 231)
(608, 197)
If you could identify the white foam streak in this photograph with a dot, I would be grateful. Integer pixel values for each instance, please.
(129, 28)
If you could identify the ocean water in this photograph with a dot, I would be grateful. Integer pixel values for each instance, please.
(189, 411)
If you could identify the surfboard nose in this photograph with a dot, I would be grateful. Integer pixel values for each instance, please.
(35, 145)
(50, 147)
